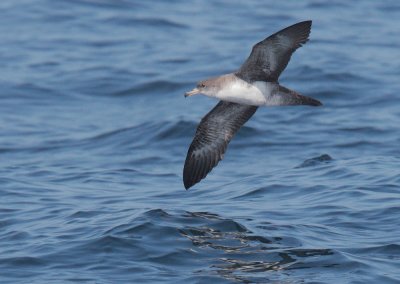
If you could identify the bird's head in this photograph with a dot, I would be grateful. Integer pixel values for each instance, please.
(207, 87)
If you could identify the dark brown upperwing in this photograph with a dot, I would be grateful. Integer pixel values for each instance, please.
(270, 57)
(212, 136)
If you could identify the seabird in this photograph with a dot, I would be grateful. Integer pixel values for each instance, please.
(241, 93)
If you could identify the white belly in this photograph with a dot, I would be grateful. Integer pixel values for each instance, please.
(257, 94)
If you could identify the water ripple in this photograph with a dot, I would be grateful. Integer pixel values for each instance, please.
(95, 129)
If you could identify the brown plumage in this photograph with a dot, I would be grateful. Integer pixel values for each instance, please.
(266, 62)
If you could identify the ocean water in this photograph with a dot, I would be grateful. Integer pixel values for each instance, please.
(95, 130)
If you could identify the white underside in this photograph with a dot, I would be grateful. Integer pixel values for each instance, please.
(257, 94)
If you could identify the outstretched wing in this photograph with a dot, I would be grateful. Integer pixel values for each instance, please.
(212, 136)
(270, 57)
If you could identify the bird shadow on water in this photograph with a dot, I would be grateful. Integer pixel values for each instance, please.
(240, 255)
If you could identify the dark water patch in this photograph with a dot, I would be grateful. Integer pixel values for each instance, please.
(44, 65)
(24, 261)
(84, 214)
(41, 173)
(151, 159)
(262, 191)
(171, 259)
(115, 133)
(344, 77)
(123, 136)
(14, 235)
(369, 130)
(98, 4)
(157, 86)
(387, 251)
(110, 244)
(323, 159)
(87, 176)
(7, 210)
(322, 5)
(106, 44)
(359, 144)
(308, 73)
(385, 185)
(34, 93)
(60, 17)
(47, 147)
(146, 22)
(175, 60)
(174, 130)
(113, 175)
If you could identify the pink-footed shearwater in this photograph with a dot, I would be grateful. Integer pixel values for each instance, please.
(241, 93)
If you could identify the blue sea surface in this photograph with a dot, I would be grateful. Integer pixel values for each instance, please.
(95, 131)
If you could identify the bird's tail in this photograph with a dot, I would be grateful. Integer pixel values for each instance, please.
(290, 97)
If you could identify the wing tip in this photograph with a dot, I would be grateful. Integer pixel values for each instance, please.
(310, 101)
(301, 31)
(305, 24)
(193, 175)
(187, 177)
(317, 103)
(192, 172)
(188, 182)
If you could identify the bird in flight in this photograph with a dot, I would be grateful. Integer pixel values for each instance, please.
(241, 93)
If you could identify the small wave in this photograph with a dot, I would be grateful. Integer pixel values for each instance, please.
(84, 214)
(146, 22)
(327, 5)
(261, 191)
(315, 161)
(359, 144)
(369, 130)
(22, 261)
(159, 86)
(113, 133)
(310, 73)
(146, 131)
(103, 4)
(175, 130)
(175, 60)
(107, 244)
(35, 94)
(388, 250)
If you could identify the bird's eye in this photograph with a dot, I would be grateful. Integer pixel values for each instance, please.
(202, 85)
